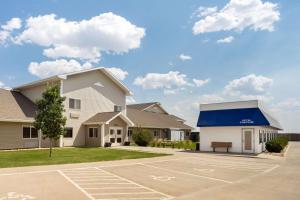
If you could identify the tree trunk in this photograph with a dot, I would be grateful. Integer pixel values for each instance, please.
(50, 152)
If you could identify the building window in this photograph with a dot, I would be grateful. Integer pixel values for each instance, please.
(187, 134)
(93, 132)
(265, 137)
(155, 133)
(29, 132)
(74, 104)
(68, 133)
(129, 133)
(117, 108)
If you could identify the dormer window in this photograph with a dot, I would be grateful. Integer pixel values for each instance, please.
(75, 104)
(117, 108)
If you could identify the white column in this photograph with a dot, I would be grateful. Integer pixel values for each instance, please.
(126, 134)
(102, 134)
(61, 144)
(40, 138)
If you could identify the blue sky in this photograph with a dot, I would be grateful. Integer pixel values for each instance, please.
(180, 53)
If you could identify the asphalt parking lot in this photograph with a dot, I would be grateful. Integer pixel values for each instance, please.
(182, 176)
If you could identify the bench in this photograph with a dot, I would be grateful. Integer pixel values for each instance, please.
(215, 145)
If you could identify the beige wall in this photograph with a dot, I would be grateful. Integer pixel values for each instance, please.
(35, 93)
(94, 99)
(11, 136)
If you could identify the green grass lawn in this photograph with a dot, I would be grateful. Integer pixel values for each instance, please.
(67, 155)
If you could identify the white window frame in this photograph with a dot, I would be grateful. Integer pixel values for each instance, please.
(93, 132)
(119, 108)
(77, 106)
(30, 127)
(72, 133)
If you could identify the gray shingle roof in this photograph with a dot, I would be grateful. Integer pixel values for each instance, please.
(141, 106)
(101, 117)
(154, 120)
(16, 107)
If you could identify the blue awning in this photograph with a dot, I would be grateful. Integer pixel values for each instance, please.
(233, 117)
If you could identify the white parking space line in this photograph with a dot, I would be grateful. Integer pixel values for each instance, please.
(109, 186)
(186, 173)
(77, 186)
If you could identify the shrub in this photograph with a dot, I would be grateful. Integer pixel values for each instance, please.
(194, 137)
(273, 146)
(142, 137)
(277, 144)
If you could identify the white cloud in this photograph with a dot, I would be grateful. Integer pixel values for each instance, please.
(12, 24)
(6, 29)
(290, 104)
(130, 100)
(204, 11)
(50, 68)
(238, 15)
(200, 83)
(118, 72)
(1, 84)
(184, 57)
(84, 39)
(228, 39)
(249, 85)
(157, 80)
(211, 98)
(170, 92)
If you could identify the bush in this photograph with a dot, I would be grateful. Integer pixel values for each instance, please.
(277, 144)
(142, 137)
(273, 146)
(194, 136)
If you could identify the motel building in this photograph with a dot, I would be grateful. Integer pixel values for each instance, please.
(239, 127)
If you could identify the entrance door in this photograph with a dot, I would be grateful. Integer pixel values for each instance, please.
(115, 135)
(248, 141)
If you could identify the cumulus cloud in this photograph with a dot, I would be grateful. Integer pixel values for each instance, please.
(199, 82)
(249, 85)
(157, 80)
(238, 15)
(50, 68)
(118, 72)
(228, 39)
(170, 92)
(1, 84)
(13, 23)
(184, 57)
(6, 29)
(85, 39)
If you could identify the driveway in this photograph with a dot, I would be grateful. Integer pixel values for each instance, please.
(184, 175)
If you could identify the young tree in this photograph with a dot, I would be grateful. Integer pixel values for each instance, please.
(49, 117)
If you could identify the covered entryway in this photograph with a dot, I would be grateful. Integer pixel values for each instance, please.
(248, 140)
(116, 135)
(107, 128)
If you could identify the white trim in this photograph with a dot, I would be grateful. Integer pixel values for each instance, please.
(126, 119)
(17, 120)
(156, 104)
(30, 127)
(93, 127)
(64, 76)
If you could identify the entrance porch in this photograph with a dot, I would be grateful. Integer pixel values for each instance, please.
(105, 128)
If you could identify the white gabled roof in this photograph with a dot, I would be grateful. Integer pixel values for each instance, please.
(64, 76)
